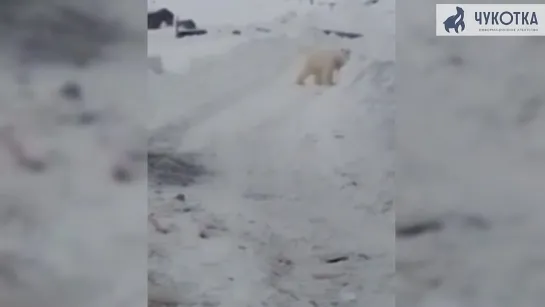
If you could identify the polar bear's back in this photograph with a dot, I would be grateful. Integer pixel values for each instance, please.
(332, 56)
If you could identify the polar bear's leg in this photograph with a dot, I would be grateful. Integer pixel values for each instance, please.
(319, 78)
(302, 77)
(328, 76)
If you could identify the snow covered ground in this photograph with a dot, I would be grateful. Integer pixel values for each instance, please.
(296, 206)
(72, 233)
(470, 167)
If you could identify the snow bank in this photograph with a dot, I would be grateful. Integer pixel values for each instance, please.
(177, 54)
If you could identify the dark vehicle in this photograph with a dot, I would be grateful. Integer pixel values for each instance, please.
(188, 27)
(157, 18)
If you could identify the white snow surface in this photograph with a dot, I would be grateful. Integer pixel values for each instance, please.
(299, 174)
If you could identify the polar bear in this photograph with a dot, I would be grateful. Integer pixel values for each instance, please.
(322, 64)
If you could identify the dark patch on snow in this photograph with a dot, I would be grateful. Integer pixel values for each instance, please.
(419, 228)
(264, 30)
(82, 118)
(174, 169)
(364, 256)
(71, 91)
(156, 303)
(180, 197)
(87, 118)
(456, 60)
(33, 165)
(529, 111)
(475, 222)
(259, 196)
(469, 222)
(185, 33)
(337, 259)
(387, 206)
(343, 34)
(212, 228)
(122, 174)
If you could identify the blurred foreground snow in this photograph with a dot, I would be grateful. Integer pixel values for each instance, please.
(471, 167)
(72, 155)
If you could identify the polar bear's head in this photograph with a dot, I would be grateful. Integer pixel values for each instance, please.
(346, 53)
(343, 57)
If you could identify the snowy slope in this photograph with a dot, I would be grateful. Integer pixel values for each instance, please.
(298, 174)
